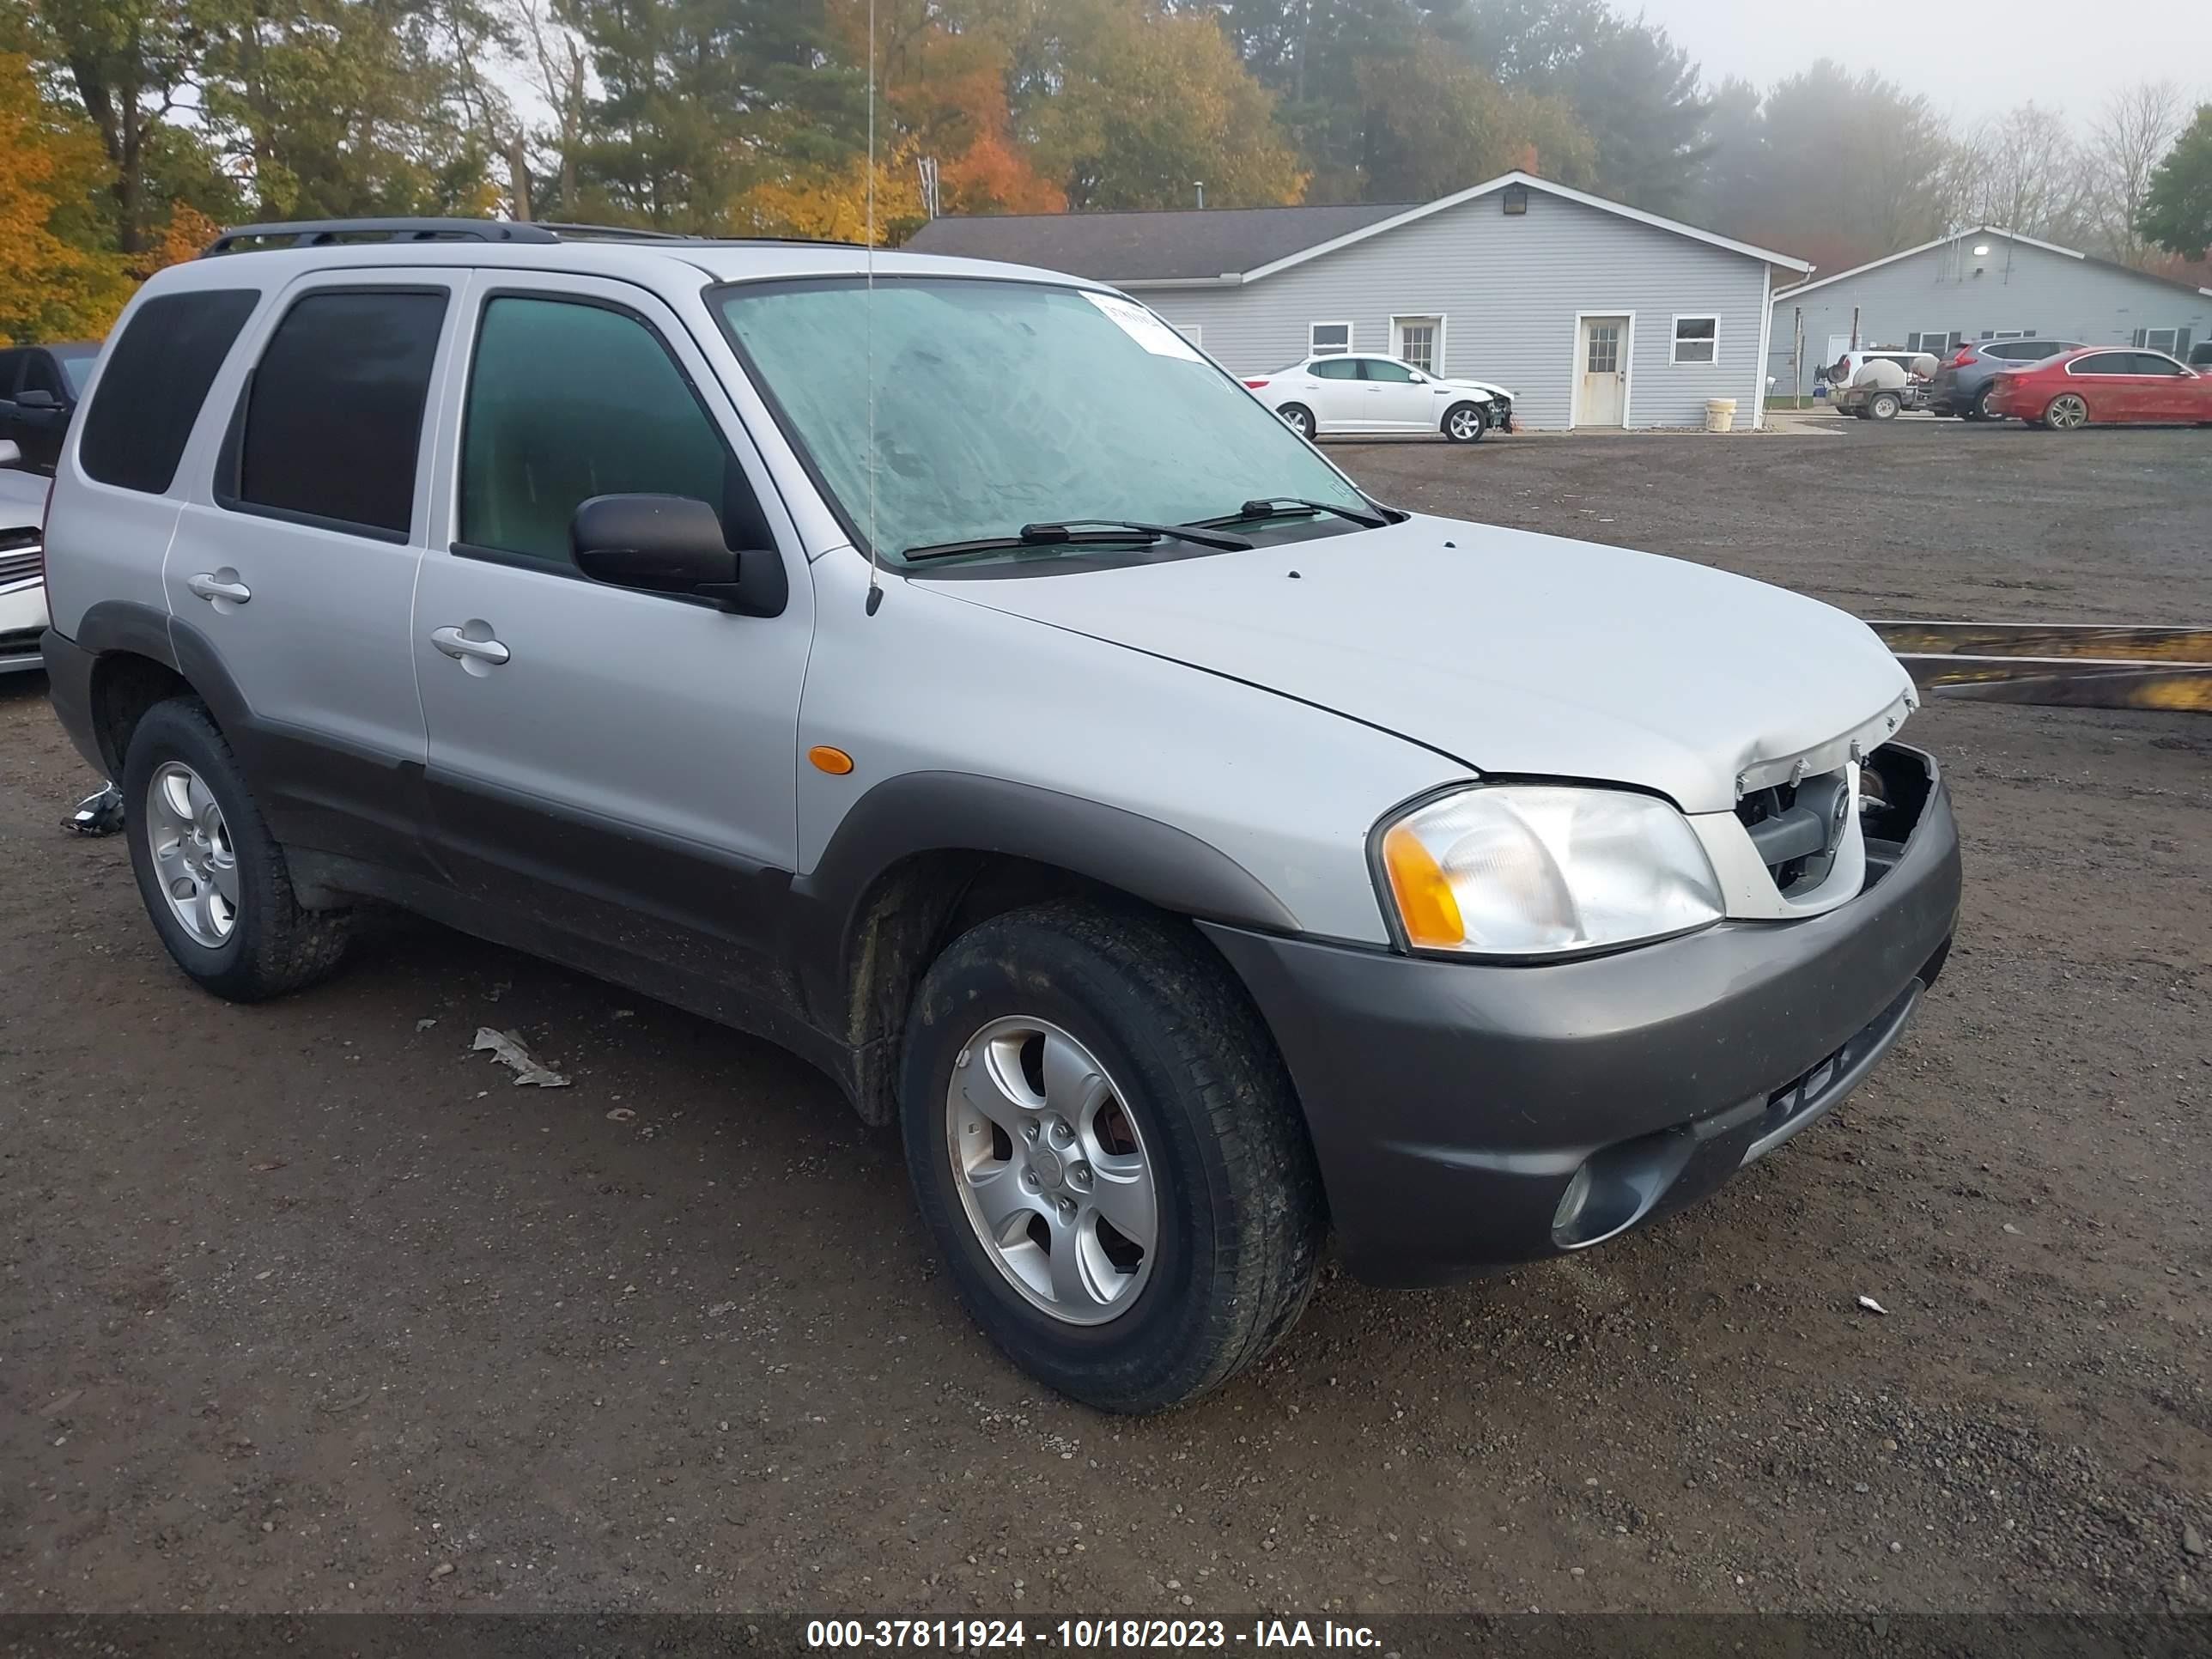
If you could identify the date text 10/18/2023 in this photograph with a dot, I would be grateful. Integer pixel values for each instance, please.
(1084, 1635)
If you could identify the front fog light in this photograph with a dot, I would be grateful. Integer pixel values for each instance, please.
(1545, 870)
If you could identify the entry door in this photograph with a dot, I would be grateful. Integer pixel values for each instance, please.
(1604, 360)
(296, 563)
(616, 765)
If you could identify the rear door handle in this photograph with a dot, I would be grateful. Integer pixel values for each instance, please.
(460, 647)
(223, 584)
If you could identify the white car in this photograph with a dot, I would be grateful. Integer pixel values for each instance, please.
(1354, 391)
(23, 562)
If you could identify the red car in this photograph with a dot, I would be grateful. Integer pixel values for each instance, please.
(2107, 385)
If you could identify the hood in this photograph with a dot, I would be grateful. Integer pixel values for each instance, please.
(1487, 388)
(1514, 653)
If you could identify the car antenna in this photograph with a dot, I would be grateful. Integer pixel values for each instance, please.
(868, 326)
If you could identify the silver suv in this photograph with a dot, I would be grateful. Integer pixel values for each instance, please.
(944, 669)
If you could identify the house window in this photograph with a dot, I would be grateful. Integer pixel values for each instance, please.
(2158, 339)
(1323, 339)
(1936, 340)
(1418, 341)
(1190, 331)
(1697, 339)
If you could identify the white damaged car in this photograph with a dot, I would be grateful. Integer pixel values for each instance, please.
(22, 563)
(1349, 391)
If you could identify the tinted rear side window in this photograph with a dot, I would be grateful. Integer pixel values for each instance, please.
(158, 374)
(333, 415)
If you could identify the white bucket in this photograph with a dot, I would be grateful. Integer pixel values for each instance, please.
(1720, 415)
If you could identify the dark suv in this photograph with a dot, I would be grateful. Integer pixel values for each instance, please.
(1962, 384)
(38, 390)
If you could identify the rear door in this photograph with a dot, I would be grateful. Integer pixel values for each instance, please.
(616, 765)
(296, 561)
(1339, 395)
(2107, 382)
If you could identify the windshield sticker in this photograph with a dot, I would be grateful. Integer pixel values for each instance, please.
(1146, 330)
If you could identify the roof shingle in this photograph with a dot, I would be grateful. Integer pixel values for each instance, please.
(1164, 245)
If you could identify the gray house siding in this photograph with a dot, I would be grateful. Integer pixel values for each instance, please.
(2018, 287)
(1508, 289)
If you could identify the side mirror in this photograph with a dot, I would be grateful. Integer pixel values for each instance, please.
(11, 453)
(1419, 379)
(673, 544)
(37, 399)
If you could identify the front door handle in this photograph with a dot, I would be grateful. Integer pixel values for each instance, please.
(465, 647)
(223, 584)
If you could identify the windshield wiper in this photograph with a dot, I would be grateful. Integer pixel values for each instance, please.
(1289, 507)
(1079, 532)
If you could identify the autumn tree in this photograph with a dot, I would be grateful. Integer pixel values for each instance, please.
(2177, 210)
(52, 170)
(1435, 124)
(1125, 105)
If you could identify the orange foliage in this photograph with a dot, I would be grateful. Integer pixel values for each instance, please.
(188, 231)
(51, 170)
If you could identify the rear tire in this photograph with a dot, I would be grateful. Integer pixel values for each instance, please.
(213, 880)
(2068, 411)
(1055, 1019)
(1299, 418)
(1884, 406)
(1979, 409)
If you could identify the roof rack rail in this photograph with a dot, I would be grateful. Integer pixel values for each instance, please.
(611, 233)
(330, 233)
(324, 233)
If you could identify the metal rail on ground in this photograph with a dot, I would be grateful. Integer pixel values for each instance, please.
(2079, 666)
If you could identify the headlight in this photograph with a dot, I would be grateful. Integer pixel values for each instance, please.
(1543, 870)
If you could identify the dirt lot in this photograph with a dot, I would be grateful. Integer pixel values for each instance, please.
(304, 1306)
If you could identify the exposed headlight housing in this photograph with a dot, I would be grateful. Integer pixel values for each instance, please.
(1540, 869)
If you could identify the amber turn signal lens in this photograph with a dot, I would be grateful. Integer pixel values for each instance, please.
(835, 762)
(1424, 898)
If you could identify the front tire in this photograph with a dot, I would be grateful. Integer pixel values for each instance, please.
(214, 881)
(1106, 1149)
(1299, 418)
(1465, 423)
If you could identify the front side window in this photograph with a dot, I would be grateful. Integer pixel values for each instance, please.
(1327, 336)
(568, 400)
(332, 420)
(1697, 339)
(1382, 369)
(999, 405)
(158, 375)
(2149, 362)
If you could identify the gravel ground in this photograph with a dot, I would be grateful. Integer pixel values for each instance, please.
(305, 1308)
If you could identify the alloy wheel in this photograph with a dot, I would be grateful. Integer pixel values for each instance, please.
(1053, 1172)
(193, 857)
(1465, 424)
(2067, 411)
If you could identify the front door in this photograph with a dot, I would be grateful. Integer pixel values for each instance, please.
(1396, 401)
(296, 563)
(612, 764)
(1603, 398)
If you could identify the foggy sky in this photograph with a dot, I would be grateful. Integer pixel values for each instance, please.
(1971, 57)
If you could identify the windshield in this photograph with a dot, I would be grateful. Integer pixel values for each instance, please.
(1005, 403)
